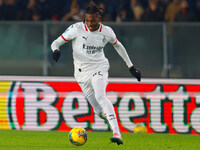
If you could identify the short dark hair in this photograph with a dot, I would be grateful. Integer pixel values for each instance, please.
(92, 9)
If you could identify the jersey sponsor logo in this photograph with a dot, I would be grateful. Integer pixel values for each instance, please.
(92, 49)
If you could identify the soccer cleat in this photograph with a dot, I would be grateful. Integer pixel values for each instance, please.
(116, 139)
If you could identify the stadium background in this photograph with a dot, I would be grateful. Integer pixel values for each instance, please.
(159, 48)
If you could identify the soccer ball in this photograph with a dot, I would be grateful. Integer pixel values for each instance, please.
(78, 136)
(140, 128)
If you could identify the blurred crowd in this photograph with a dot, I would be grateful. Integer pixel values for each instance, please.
(111, 10)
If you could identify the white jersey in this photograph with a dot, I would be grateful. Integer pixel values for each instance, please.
(89, 58)
(88, 46)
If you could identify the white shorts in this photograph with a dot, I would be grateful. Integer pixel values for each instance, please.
(84, 76)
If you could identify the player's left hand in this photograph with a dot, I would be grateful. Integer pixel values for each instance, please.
(135, 72)
(56, 55)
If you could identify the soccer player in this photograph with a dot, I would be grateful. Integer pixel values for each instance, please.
(90, 65)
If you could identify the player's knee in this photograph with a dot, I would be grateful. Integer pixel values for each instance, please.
(101, 98)
(98, 110)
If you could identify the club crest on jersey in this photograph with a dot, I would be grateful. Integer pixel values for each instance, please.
(104, 39)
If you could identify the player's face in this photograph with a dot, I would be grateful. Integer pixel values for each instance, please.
(92, 21)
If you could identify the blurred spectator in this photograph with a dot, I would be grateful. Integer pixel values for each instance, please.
(126, 13)
(105, 15)
(165, 3)
(43, 10)
(74, 15)
(185, 14)
(197, 10)
(192, 3)
(123, 16)
(67, 6)
(69, 3)
(154, 12)
(1, 10)
(58, 9)
(10, 10)
(124, 10)
(34, 10)
(113, 7)
(137, 9)
(25, 9)
(36, 16)
(83, 3)
(172, 9)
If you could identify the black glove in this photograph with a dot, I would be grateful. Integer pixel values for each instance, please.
(56, 55)
(135, 72)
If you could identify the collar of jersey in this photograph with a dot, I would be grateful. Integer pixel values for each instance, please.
(87, 29)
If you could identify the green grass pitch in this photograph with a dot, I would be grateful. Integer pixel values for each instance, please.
(55, 140)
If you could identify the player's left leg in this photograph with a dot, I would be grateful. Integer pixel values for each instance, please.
(97, 108)
(99, 83)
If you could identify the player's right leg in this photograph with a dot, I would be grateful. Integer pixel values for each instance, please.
(116, 138)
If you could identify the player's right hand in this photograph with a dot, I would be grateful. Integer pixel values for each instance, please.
(135, 72)
(56, 55)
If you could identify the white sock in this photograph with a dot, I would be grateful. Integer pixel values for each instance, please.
(116, 130)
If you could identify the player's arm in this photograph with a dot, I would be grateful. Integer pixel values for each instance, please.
(55, 47)
(69, 34)
(122, 52)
